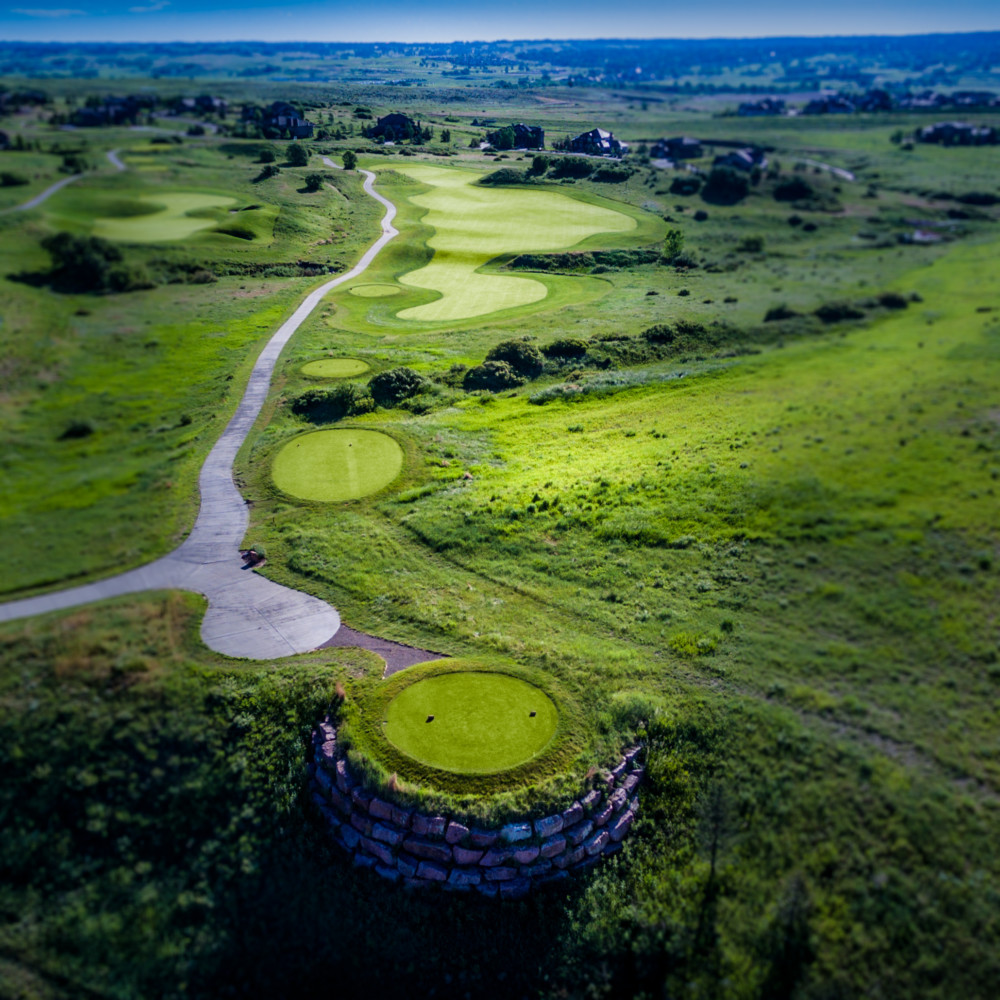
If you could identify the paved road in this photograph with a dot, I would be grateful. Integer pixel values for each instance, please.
(115, 161)
(248, 615)
(47, 193)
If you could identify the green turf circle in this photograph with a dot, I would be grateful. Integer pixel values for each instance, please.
(471, 722)
(375, 291)
(335, 367)
(341, 464)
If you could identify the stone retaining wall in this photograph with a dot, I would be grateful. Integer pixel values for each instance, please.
(421, 851)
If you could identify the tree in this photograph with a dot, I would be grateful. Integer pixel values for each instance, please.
(298, 155)
(673, 245)
(90, 264)
(522, 356)
(446, 135)
(726, 186)
(314, 182)
(266, 155)
(350, 159)
(389, 387)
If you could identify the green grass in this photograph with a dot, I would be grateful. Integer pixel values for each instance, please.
(334, 368)
(374, 291)
(170, 218)
(472, 225)
(470, 722)
(336, 465)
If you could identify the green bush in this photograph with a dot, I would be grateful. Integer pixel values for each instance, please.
(750, 244)
(8, 179)
(314, 182)
(266, 155)
(777, 313)
(571, 166)
(522, 356)
(725, 186)
(687, 184)
(793, 189)
(838, 312)
(565, 347)
(350, 159)
(390, 387)
(298, 155)
(91, 264)
(492, 376)
(505, 175)
(325, 405)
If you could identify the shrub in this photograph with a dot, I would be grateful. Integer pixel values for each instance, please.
(91, 264)
(571, 166)
(687, 185)
(325, 405)
(777, 313)
(522, 356)
(266, 155)
(701, 215)
(660, 334)
(350, 159)
(726, 186)
(269, 170)
(505, 175)
(298, 155)
(539, 164)
(794, 189)
(838, 312)
(389, 387)
(611, 174)
(751, 244)
(8, 179)
(892, 300)
(673, 245)
(77, 429)
(566, 347)
(492, 376)
(314, 182)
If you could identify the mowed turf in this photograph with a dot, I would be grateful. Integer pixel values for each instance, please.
(341, 464)
(378, 291)
(471, 722)
(335, 367)
(168, 218)
(475, 224)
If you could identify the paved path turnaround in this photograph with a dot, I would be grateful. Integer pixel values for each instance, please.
(248, 615)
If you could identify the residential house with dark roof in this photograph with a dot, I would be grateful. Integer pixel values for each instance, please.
(742, 159)
(765, 106)
(597, 142)
(679, 148)
(394, 128)
(958, 134)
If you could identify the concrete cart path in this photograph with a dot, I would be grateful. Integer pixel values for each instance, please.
(248, 615)
(115, 161)
(46, 194)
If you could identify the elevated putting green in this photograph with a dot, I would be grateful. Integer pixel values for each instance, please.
(471, 722)
(474, 224)
(169, 218)
(340, 464)
(335, 367)
(375, 291)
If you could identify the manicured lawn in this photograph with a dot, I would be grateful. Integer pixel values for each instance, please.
(341, 464)
(375, 291)
(335, 367)
(170, 218)
(473, 723)
(475, 224)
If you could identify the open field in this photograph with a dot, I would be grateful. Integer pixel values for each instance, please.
(471, 722)
(766, 548)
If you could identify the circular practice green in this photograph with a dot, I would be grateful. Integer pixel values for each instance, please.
(375, 291)
(335, 367)
(341, 464)
(471, 722)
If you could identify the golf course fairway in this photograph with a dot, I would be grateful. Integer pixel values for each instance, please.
(471, 722)
(168, 218)
(334, 367)
(474, 224)
(341, 464)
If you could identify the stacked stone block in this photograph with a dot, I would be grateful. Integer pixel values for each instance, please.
(420, 851)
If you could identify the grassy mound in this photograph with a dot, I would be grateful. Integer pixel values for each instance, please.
(471, 722)
(379, 291)
(483, 741)
(474, 224)
(171, 219)
(335, 368)
(341, 464)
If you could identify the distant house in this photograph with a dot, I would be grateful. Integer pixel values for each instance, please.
(525, 137)
(203, 104)
(678, 148)
(765, 106)
(830, 104)
(973, 98)
(394, 127)
(742, 159)
(875, 100)
(958, 134)
(282, 116)
(597, 142)
(112, 111)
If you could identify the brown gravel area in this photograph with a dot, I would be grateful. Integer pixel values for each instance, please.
(397, 656)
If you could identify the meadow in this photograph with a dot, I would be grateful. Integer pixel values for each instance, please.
(767, 548)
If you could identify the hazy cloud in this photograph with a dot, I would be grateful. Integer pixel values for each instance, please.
(156, 5)
(47, 12)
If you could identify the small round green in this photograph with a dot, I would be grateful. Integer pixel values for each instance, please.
(335, 367)
(471, 722)
(336, 465)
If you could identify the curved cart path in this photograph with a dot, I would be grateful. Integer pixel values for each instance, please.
(248, 615)
(45, 195)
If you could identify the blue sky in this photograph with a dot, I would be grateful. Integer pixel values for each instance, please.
(448, 20)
